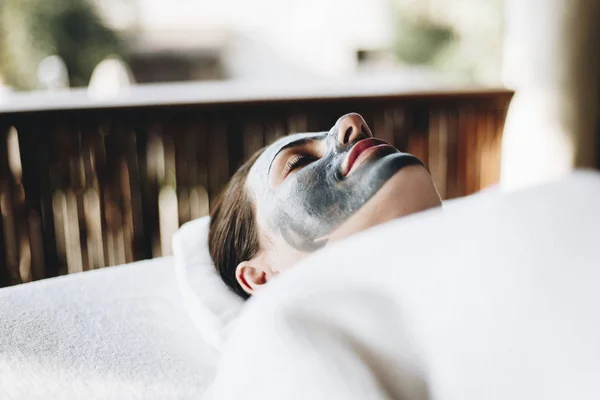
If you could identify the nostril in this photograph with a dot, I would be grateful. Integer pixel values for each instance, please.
(350, 128)
(364, 129)
(347, 135)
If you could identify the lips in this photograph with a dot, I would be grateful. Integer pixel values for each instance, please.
(362, 150)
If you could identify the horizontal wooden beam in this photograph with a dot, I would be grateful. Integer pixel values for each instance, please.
(235, 93)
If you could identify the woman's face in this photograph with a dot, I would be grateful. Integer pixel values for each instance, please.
(312, 188)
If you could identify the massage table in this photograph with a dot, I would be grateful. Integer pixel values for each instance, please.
(116, 333)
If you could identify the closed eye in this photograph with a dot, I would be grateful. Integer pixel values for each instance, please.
(295, 155)
(297, 161)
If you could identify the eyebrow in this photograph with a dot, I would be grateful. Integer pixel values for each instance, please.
(294, 143)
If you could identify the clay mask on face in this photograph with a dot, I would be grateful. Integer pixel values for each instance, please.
(308, 205)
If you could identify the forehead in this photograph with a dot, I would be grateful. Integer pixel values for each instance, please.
(258, 175)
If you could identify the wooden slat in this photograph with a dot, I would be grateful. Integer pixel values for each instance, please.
(273, 130)
(36, 185)
(418, 137)
(13, 211)
(136, 236)
(469, 132)
(297, 123)
(185, 168)
(152, 167)
(438, 150)
(8, 273)
(452, 178)
(147, 224)
(253, 137)
(218, 170)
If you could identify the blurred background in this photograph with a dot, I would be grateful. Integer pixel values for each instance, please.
(191, 40)
(120, 120)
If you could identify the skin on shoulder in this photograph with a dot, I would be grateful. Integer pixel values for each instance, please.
(313, 188)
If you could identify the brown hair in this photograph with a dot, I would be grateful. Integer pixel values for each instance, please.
(233, 234)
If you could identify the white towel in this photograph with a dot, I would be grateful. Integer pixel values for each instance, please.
(116, 333)
(497, 299)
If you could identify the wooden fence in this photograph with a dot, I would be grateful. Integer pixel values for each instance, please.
(86, 184)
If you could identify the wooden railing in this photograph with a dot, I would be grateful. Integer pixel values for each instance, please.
(89, 183)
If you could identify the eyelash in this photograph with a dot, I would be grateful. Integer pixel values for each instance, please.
(297, 161)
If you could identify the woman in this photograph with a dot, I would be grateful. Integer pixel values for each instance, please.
(306, 190)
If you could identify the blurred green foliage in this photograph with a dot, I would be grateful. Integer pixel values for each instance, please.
(34, 29)
(461, 39)
(420, 42)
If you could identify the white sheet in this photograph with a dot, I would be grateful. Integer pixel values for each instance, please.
(497, 298)
(116, 333)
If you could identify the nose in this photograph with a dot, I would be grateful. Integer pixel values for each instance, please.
(351, 127)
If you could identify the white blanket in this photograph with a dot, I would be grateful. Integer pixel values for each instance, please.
(116, 333)
(498, 298)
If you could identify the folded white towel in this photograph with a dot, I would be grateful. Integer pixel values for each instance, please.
(212, 306)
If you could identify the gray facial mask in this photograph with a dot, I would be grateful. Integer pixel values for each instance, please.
(317, 199)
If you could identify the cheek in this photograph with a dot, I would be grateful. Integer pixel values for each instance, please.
(264, 225)
(303, 193)
(409, 191)
(278, 253)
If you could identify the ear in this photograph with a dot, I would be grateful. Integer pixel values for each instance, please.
(252, 274)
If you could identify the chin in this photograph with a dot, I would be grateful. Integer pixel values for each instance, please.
(408, 191)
